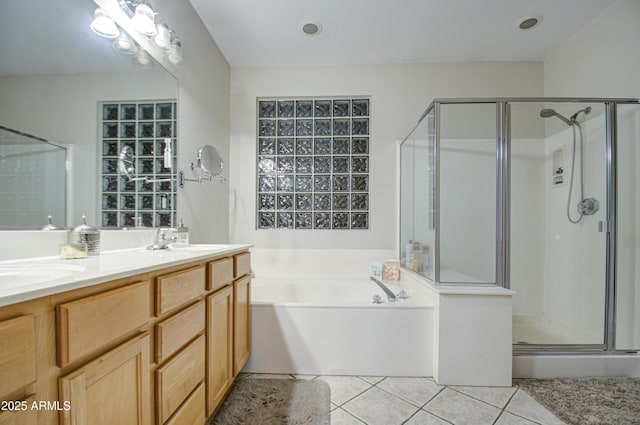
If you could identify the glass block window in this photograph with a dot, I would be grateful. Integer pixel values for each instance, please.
(313, 163)
(152, 194)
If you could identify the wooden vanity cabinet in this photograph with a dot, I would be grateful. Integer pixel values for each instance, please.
(160, 347)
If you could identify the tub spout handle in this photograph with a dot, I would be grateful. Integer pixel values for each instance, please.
(377, 299)
(391, 297)
(402, 295)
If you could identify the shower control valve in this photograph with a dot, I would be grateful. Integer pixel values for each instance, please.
(588, 206)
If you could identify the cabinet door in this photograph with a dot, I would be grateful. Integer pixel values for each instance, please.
(219, 346)
(241, 322)
(112, 389)
(23, 413)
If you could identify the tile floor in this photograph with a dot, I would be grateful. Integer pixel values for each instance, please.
(358, 400)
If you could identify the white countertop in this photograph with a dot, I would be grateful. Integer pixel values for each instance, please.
(65, 275)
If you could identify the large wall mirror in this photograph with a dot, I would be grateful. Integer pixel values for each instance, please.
(59, 83)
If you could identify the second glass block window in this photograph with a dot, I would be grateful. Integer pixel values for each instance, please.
(313, 163)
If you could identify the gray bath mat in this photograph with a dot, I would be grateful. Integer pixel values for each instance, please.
(275, 402)
(588, 401)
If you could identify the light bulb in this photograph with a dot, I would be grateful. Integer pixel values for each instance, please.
(142, 58)
(124, 44)
(163, 37)
(175, 54)
(103, 25)
(144, 20)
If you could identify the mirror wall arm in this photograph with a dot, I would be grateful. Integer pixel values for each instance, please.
(182, 179)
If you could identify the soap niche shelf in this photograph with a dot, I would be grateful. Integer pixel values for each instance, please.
(558, 168)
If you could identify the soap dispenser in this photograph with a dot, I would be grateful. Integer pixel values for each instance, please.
(183, 234)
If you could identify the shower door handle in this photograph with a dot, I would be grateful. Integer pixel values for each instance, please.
(603, 227)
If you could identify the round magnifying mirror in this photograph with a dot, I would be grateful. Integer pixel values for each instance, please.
(126, 165)
(209, 161)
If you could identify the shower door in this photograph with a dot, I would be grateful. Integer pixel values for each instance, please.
(558, 198)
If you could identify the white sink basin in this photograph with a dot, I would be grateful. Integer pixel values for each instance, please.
(18, 275)
(200, 247)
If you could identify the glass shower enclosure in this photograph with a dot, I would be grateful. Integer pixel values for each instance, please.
(33, 172)
(538, 195)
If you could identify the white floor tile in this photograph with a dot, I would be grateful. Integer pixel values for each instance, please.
(372, 379)
(509, 419)
(414, 390)
(377, 407)
(425, 418)
(344, 388)
(340, 417)
(496, 396)
(522, 404)
(461, 409)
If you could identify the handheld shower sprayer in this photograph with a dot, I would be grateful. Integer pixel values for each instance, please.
(588, 206)
(586, 111)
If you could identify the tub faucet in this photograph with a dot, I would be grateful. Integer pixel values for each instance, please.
(161, 242)
(390, 295)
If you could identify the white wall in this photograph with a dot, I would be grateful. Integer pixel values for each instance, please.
(399, 95)
(601, 60)
(203, 118)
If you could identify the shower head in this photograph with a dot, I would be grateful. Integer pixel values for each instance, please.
(546, 113)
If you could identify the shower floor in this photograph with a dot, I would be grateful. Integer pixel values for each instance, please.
(536, 329)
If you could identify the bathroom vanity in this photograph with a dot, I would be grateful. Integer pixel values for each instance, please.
(127, 337)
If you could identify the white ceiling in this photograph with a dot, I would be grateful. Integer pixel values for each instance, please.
(267, 32)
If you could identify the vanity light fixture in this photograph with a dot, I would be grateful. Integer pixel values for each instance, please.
(143, 20)
(103, 25)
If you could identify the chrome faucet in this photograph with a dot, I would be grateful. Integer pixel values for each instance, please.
(391, 297)
(161, 242)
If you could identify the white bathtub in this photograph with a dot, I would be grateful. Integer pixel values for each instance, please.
(331, 327)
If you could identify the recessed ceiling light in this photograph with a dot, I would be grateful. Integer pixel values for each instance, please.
(311, 27)
(528, 22)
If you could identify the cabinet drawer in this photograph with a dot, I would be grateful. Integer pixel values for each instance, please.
(176, 289)
(178, 378)
(242, 264)
(18, 353)
(220, 273)
(175, 332)
(89, 323)
(192, 411)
